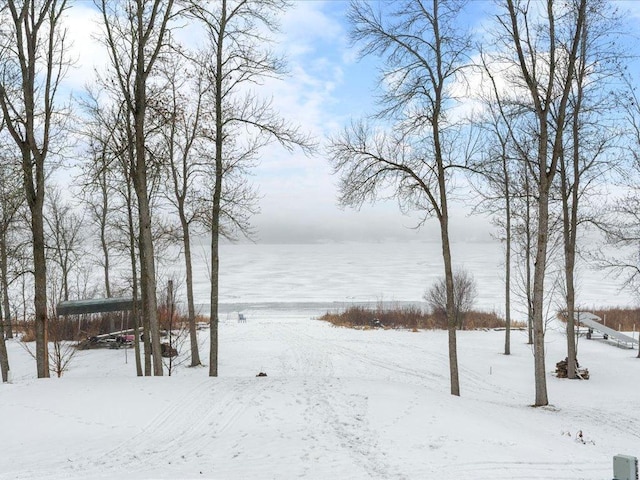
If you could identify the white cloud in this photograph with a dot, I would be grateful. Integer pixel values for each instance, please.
(83, 28)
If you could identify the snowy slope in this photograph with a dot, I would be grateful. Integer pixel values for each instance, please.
(337, 403)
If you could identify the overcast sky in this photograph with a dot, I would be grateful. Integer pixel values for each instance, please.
(327, 86)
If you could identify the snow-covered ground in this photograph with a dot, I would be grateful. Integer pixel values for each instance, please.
(336, 404)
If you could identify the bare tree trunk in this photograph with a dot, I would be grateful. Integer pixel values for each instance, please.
(569, 225)
(215, 270)
(444, 235)
(528, 261)
(570, 199)
(451, 317)
(217, 196)
(183, 132)
(4, 287)
(147, 258)
(148, 275)
(191, 311)
(135, 293)
(104, 208)
(36, 203)
(541, 398)
(4, 356)
(507, 258)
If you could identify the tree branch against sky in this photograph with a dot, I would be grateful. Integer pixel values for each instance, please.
(409, 147)
(135, 34)
(33, 62)
(181, 108)
(546, 46)
(241, 122)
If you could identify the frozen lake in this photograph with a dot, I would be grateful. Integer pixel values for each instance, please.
(318, 277)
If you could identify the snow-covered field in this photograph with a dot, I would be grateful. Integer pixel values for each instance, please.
(336, 404)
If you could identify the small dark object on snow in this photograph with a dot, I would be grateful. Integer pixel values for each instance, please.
(167, 350)
(375, 323)
(261, 374)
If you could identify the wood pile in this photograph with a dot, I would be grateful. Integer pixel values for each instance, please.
(562, 371)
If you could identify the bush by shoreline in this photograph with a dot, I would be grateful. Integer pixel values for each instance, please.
(410, 317)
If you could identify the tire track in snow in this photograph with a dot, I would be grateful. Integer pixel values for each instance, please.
(614, 421)
(369, 356)
(432, 373)
(341, 418)
(182, 429)
(333, 415)
(572, 470)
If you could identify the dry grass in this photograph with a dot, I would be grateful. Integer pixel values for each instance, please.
(26, 330)
(621, 319)
(411, 317)
(74, 327)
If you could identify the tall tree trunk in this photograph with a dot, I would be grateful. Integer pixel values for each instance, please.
(568, 223)
(191, 310)
(147, 257)
(217, 196)
(451, 317)
(135, 293)
(4, 356)
(448, 269)
(103, 232)
(40, 283)
(148, 284)
(135, 37)
(4, 287)
(538, 303)
(215, 268)
(528, 261)
(570, 199)
(507, 258)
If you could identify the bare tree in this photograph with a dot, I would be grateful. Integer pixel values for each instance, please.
(621, 223)
(135, 33)
(586, 158)
(412, 159)
(464, 296)
(103, 150)
(524, 222)
(4, 356)
(497, 168)
(66, 238)
(7, 193)
(32, 65)
(63, 350)
(182, 109)
(12, 200)
(239, 123)
(545, 47)
(109, 174)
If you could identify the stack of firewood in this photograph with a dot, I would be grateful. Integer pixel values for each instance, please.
(562, 372)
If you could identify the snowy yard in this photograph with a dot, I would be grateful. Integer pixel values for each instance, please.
(337, 403)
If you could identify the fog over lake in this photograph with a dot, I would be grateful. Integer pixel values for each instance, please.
(325, 275)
